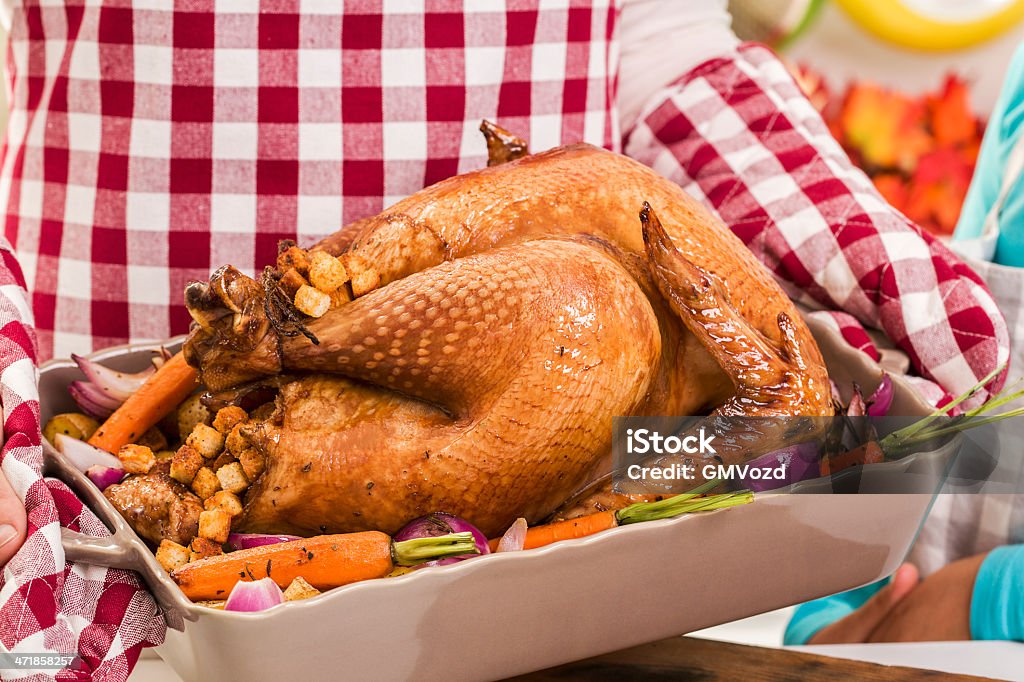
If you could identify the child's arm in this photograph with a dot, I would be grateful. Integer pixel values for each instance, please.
(997, 603)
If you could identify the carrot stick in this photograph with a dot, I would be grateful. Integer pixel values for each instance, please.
(154, 400)
(324, 561)
(580, 527)
(868, 453)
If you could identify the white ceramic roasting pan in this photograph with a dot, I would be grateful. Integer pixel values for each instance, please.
(513, 613)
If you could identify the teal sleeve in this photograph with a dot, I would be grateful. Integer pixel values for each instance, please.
(814, 615)
(997, 603)
(1005, 126)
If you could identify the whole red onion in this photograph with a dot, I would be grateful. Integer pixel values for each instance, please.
(442, 523)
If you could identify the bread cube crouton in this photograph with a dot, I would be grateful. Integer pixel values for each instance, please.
(221, 460)
(171, 555)
(291, 256)
(185, 464)
(206, 440)
(300, 589)
(206, 483)
(326, 272)
(290, 282)
(229, 417)
(154, 439)
(365, 282)
(201, 548)
(236, 442)
(232, 478)
(225, 501)
(364, 278)
(252, 462)
(215, 524)
(136, 459)
(312, 302)
(340, 297)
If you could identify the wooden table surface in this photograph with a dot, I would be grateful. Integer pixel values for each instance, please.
(683, 659)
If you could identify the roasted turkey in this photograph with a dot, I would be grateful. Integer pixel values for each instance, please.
(520, 308)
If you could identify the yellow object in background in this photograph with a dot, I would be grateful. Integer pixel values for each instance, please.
(908, 23)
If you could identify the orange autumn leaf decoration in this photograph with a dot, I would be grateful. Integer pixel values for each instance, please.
(952, 120)
(885, 128)
(919, 151)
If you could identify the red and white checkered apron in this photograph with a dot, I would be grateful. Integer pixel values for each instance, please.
(150, 144)
(152, 141)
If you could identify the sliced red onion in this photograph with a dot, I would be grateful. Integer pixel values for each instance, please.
(110, 382)
(856, 408)
(800, 462)
(91, 400)
(442, 523)
(514, 538)
(837, 397)
(162, 356)
(254, 595)
(104, 477)
(881, 400)
(82, 455)
(249, 540)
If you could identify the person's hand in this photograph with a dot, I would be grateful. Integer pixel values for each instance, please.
(938, 609)
(859, 625)
(12, 521)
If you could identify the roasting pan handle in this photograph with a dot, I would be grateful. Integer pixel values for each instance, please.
(100, 551)
(121, 549)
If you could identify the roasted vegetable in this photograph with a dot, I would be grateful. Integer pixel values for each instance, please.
(324, 561)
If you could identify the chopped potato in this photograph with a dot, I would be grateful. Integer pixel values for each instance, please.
(201, 547)
(215, 524)
(399, 570)
(154, 439)
(73, 424)
(312, 302)
(206, 483)
(326, 272)
(171, 555)
(206, 440)
(252, 462)
(136, 459)
(212, 603)
(232, 478)
(226, 501)
(192, 412)
(299, 589)
(227, 418)
(185, 464)
(164, 455)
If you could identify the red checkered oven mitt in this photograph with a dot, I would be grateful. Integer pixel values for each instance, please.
(738, 133)
(48, 604)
